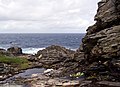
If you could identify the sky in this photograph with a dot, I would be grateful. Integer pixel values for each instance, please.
(46, 16)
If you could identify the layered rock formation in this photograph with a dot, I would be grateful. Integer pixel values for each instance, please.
(54, 54)
(59, 58)
(101, 44)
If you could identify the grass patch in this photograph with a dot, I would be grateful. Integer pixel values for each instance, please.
(20, 63)
(25, 65)
(12, 60)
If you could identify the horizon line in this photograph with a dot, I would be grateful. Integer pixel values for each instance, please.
(42, 33)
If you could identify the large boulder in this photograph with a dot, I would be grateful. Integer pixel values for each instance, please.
(65, 61)
(53, 55)
(2, 51)
(15, 50)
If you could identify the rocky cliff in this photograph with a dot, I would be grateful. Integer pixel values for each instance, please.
(99, 54)
(101, 44)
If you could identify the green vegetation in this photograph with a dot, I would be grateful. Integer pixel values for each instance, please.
(79, 74)
(91, 77)
(20, 63)
(11, 60)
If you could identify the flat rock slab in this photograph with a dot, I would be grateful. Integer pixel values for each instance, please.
(107, 83)
(84, 83)
(71, 84)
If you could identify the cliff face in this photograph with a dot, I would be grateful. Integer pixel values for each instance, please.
(101, 44)
(108, 15)
(103, 38)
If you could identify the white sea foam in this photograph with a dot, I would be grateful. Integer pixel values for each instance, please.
(27, 50)
(35, 50)
(31, 50)
(70, 48)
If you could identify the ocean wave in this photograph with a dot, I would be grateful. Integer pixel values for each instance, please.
(35, 50)
(31, 50)
(25, 50)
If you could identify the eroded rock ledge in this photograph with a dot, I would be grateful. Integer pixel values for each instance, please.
(101, 44)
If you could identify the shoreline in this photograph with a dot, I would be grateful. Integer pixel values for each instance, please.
(50, 76)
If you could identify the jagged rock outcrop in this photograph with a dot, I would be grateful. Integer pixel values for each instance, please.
(53, 55)
(59, 58)
(101, 44)
(103, 38)
(14, 50)
(2, 51)
(108, 15)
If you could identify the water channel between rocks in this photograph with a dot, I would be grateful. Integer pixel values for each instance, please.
(26, 74)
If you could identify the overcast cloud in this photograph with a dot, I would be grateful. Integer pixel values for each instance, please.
(46, 16)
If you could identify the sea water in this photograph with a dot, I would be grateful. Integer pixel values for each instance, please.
(31, 43)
